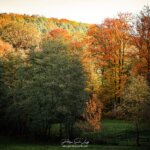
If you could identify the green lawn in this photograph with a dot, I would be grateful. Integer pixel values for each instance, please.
(115, 135)
(58, 147)
(118, 132)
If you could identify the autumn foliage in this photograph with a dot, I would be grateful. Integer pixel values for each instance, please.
(81, 70)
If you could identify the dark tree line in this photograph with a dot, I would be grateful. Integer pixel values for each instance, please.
(43, 87)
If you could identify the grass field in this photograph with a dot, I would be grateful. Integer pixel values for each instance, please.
(115, 135)
(117, 132)
(45, 147)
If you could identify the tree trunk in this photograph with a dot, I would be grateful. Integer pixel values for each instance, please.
(71, 131)
(148, 63)
(115, 107)
(60, 130)
(137, 135)
(49, 130)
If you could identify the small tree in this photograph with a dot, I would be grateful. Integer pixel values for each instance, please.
(135, 99)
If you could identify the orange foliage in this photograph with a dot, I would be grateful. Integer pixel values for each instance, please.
(93, 112)
(4, 48)
(59, 34)
(142, 42)
(108, 44)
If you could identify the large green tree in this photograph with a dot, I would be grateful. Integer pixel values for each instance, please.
(54, 87)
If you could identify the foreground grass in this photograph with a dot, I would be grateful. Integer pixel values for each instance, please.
(118, 132)
(115, 135)
(17, 146)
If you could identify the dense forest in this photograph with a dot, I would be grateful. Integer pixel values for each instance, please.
(56, 71)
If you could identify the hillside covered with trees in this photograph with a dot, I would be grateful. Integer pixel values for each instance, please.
(56, 71)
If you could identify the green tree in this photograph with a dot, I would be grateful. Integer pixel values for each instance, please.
(54, 87)
(2, 96)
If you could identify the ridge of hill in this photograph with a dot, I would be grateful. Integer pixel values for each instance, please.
(43, 24)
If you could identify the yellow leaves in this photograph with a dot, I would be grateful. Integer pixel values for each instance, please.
(20, 35)
(7, 52)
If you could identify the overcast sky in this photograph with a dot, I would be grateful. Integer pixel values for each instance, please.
(89, 11)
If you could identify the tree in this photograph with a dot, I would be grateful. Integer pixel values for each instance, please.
(12, 61)
(136, 97)
(59, 34)
(3, 94)
(93, 109)
(142, 41)
(108, 47)
(54, 88)
(21, 35)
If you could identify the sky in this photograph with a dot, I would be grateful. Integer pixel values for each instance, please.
(88, 11)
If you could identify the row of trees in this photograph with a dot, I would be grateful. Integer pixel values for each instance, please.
(56, 76)
(119, 49)
(41, 82)
(41, 87)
